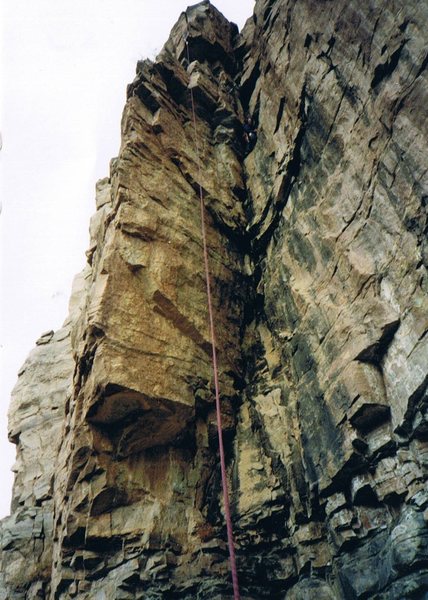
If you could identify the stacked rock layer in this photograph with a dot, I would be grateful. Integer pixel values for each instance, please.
(318, 257)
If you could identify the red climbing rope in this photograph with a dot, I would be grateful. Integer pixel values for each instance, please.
(230, 541)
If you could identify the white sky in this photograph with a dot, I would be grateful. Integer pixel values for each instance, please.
(64, 67)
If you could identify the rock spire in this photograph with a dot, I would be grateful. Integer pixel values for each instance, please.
(318, 250)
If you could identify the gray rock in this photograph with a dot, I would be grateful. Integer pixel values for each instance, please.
(317, 248)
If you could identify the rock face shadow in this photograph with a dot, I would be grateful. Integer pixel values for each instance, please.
(317, 252)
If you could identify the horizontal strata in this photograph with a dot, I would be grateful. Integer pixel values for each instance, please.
(318, 253)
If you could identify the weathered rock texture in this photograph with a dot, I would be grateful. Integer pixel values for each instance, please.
(317, 246)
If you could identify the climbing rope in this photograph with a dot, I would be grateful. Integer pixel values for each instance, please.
(230, 541)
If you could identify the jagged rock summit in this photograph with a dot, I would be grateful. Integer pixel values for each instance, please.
(318, 252)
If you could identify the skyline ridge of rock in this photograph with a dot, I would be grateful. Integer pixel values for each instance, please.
(318, 253)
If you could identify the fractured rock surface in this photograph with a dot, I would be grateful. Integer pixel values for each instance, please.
(317, 248)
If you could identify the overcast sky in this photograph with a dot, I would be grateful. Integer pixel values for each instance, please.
(64, 67)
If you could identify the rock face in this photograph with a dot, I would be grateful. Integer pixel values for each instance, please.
(318, 253)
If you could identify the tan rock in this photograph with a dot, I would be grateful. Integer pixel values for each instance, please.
(317, 252)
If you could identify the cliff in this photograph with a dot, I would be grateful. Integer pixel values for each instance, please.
(318, 254)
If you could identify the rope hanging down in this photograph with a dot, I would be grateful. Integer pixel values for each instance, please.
(230, 541)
